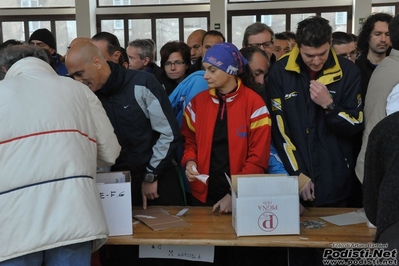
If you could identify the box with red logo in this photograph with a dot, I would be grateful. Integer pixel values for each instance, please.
(265, 205)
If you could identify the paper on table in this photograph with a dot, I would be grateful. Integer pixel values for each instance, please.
(202, 177)
(345, 219)
(158, 219)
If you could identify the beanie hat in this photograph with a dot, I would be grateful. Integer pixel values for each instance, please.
(226, 57)
(45, 36)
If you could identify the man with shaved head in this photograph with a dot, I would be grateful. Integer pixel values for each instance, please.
(194, 41)
(144, 123)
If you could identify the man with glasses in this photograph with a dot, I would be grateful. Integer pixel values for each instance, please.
(260, 35)
(344, 45)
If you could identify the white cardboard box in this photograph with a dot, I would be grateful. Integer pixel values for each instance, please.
(115, 195)
(265, 205)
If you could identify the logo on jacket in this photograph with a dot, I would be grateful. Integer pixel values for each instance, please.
(290, 95)
(242, 132)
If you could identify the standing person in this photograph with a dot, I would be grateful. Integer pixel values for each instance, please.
(211, 122)
(53, 135)
(109, 46)
(194, 42)
(143, 120)
(373, 44)
(260, 35)
(210, 38)
(316, 108)
(383, 90)
(381, 181)
(344, 45)
(282, 45)
(45, 39)
(175, 62)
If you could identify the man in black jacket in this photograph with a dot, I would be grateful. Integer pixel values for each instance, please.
(143, 121)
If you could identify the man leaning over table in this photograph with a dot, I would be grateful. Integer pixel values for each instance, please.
(54, 133)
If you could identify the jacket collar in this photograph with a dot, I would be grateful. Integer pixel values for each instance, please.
(29, 64)
(230, 96)
(332, 71)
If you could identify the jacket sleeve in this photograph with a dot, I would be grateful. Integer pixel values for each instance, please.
(108, 148)
(281, 132)
(373, 174)
(188, 131)
(275, 164)
(259, 139)
(163, 121)
(347, 118)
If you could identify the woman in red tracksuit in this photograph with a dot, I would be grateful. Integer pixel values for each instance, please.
(227, 128)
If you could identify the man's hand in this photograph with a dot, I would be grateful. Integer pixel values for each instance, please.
(190, 172)
(149, 191)
(307, 192)
(224, 205)
(319, 94)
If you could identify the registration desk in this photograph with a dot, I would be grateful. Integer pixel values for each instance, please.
(208, 228)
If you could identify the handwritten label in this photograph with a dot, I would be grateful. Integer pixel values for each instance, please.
(192, 253)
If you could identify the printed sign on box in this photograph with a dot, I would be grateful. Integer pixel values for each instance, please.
(265, 205)
(115, 195)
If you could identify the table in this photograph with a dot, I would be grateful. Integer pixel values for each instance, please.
(215, 229)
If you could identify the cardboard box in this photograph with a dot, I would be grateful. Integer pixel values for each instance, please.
(115, 194)
(265, 205)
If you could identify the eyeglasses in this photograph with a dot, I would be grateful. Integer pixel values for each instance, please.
(265, 45)
(351, 55)
(176, 63)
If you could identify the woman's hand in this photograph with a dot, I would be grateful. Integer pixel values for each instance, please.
(191, 171)
(224, 205)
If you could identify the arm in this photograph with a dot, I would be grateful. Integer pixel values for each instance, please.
(347, 117)
(108, 148)
(259, 139)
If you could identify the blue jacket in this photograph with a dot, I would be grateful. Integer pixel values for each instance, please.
(185, 91)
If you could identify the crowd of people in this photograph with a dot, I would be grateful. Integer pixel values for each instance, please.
(284, 103)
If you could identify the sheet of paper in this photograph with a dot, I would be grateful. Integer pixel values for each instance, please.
(193, 253)
(158, 219)
(345, 219)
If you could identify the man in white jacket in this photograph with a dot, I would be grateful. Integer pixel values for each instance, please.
(54, 134)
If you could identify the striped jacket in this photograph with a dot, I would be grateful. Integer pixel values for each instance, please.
(249, 133)
(53, 129)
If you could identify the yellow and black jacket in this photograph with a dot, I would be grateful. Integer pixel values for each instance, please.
(309, 139)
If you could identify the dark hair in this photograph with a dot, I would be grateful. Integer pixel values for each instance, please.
(213, 33)
(123, 58)
(314, 32)
(340, 37)
(281, 36)
(290, 34)
(13, 53)
(175, 47)
(254, 29)
(10, 42)
(248, 78)
(111, 39)
(394, 32)
(248, 52)
(146, 48)
(367, 28)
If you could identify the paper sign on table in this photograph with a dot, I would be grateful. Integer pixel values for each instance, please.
(193, 253)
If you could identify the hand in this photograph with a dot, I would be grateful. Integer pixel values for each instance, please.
(319, 94)
(149, 191)
(307, 192)
(190, 173)
(224, 205)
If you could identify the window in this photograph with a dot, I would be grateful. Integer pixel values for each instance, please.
(153, 2)
(30, 3)
(340, 18)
